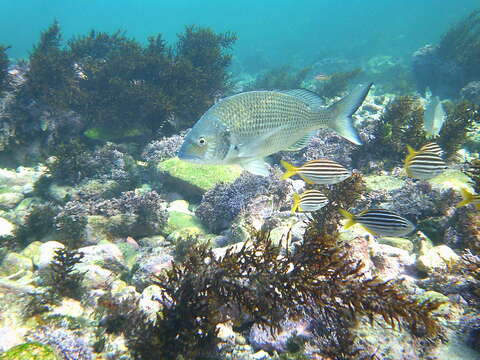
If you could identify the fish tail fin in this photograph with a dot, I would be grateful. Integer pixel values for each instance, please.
(350, 218)
(341, 113)
(296, 203)
(411, 153)
(467, 198)
(291, 170)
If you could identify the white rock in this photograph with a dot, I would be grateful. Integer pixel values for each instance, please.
(102, 252)
(180, 206)
(47, 253)
(6, 227)
(10, 199)
(148, 303)
(439, 257)
(260, 355)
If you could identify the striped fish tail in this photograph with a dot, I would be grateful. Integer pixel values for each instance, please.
(411, 153)
(296, 203)
(350, 218)
(467, 198)
(291, 170)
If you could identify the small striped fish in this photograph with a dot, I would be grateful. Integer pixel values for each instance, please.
(469, 198)
(309, 200)
(432, 147)
(322, 171)
(423, 165)
(379, 222)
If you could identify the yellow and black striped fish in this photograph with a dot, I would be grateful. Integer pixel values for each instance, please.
(469, 198)
(309, 200)
(379, 222)
(321, 171)
(432, 147)
(423, 165)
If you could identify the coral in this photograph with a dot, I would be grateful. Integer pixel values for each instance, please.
(3, 68)
(448, 67)
(163, 149)
(471, 92)
(282, 78)
(222, 204)
(64, 280)
(400, 124)
(337, 83)
(38, 223)
(70, 344)
(261, 282)
(73, 163)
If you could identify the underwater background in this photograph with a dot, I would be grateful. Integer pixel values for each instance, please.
(130, 230)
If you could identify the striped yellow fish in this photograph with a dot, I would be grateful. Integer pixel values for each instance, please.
(321, 171)
(309, 200)
(423, 165)
(379, 222)
(432, 147)
(469, 198)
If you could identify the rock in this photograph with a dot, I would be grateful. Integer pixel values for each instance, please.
(30, 351)
(264, 338)
(15, 262)
(261, 355)
(10, 199)
(152, 241)
(225, 333)
(102, 253)
(184, 234)
(149, 304)
(179, 220)
(180, 206)
(195, 179)
(151, 264)
(59, 192)
(6, 227)
(471, 92)
(392, 262)
(95, 277)
(400, 243)
(68, 307)
(438, 257)
(32, 251)
(96, 229)
(10, 336)
(375, 182)
(47, 253)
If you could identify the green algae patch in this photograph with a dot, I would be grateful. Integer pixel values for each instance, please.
(193, 180)
(377, 182)
(112, 134)
(178, 220)
(30, 351)
(397, 242)
(452, 179)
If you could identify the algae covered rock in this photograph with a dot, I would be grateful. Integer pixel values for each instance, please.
(30, 351)
(14, 263)
(400, 243)
(180, 220)
(436, 258)
(194, 179)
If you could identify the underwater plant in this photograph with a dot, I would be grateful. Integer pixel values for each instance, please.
(38, 223)
(282, 78)
(265, 284)
(64, 279)
(337, 83)
(3, 68)
(461, 117)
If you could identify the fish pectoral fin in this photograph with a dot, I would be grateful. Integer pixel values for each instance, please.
(300, 144)
(256, 166)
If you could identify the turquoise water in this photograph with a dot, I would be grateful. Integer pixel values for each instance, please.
(281, 31)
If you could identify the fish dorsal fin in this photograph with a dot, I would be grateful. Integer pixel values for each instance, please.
(256, 166)
(308, 97)
(300, 144)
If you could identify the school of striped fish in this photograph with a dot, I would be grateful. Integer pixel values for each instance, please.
(245, 128)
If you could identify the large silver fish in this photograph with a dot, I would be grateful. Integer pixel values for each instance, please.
(245, 128)
(434, 117)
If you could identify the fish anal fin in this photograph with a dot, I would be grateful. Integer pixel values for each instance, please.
(256, 166)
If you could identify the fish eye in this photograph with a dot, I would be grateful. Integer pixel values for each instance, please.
(202, 141)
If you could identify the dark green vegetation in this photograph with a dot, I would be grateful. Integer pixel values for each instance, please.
(402, 125)
(461, 44)
(64, 279)
(109, 86)
(337, 83)
(283, 78)
(267, 284)
(3, 67)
